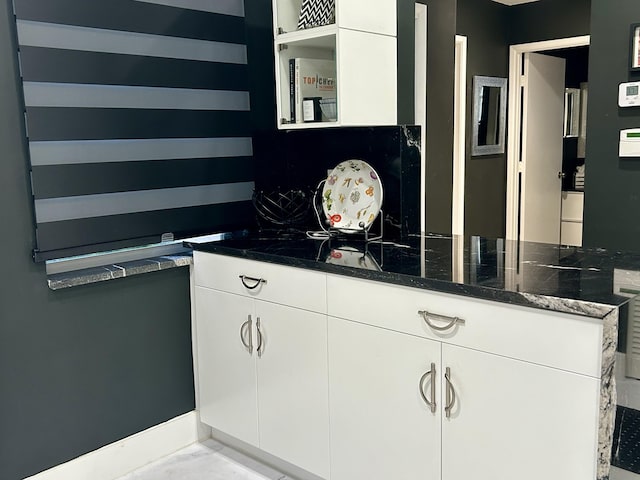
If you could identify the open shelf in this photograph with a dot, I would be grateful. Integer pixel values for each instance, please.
(363, 47)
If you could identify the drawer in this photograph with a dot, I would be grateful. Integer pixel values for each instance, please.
(572, 206)
(571, 233)
(291, 286)
(564, 341)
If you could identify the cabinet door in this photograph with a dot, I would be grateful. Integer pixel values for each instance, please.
(226, 368)
(292, 386)
(513, 419)
(380, 426)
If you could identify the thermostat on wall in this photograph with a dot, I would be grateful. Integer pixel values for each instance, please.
(630, 142)
(629, 94)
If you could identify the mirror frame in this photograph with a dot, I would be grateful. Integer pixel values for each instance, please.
(571, 112)
(479, 82)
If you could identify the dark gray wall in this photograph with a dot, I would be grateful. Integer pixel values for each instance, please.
(490, 28)
(549, 19)
(261, 63)
(84, 367)
(486, 25)
(441, 22)
(480, 19)
(612, 185)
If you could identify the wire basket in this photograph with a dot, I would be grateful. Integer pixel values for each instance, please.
(288, 208)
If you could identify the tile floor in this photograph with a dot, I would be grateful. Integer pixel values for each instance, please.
(618, 474)
(208, 460)
(211, 460)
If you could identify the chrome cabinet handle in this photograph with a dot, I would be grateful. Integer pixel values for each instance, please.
(247, 325)
(451, 393)
(259, 348)
(257, 281)
(431, 373)
(451, 321)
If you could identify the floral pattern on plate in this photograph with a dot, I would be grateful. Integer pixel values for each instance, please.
(352, 196)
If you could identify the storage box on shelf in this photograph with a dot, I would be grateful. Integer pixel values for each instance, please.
(361, 42)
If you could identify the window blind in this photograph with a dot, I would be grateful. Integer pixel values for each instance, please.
(137, 120)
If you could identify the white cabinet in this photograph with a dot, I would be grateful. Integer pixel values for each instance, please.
(513, 419)
(521, 393)
(381, 428)
(292, 386)
(508, 419)
(361, 42)
(228, 396)
(262, 366)
(572, 218)
(354, 379)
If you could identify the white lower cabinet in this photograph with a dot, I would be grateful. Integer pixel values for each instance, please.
(293, 406)
(227, 371)
(495, 418)
(381, 428)
(405, 384)
(265, 383)
(513, 419)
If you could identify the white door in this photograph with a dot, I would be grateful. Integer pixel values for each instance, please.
(293, 386)
(542, 130)
(227, 369)
(517, 420)
(381, 428)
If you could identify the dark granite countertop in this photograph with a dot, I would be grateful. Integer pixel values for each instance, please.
(562, 279)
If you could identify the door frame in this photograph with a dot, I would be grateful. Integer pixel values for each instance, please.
(459, 136)
(514, 148)
(420, 101)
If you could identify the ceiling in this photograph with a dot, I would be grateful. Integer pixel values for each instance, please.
(514, 2)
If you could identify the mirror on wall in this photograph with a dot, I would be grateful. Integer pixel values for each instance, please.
(571, 112)
(489, 115)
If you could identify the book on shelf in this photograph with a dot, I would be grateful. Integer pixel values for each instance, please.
(310, 78)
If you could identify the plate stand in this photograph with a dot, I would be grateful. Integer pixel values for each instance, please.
(364, 232)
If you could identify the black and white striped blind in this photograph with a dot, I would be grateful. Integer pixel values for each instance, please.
(137, 115)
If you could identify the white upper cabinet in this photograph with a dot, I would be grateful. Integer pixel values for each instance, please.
(362, 50)
(375, 16)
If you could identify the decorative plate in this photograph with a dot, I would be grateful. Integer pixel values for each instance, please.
(352, 257)
(352, 196)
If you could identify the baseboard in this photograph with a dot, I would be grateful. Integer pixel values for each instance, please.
(124, 456)
(244, 451)
(619, 474)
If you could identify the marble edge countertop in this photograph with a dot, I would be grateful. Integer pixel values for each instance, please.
(103, 273)
(595, 309)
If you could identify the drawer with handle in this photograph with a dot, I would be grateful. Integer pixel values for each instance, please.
(564, 341)
(291, 286)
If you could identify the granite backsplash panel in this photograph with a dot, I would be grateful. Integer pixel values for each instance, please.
(300, 159)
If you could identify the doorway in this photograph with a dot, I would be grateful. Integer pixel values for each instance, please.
(535, 144)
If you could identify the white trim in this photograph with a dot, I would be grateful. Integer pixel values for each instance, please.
(516, 82)
(420, 101)
(459, 136)
(128, 454)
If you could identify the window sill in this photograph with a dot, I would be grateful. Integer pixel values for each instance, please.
(103, 273)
